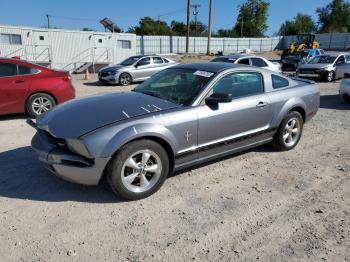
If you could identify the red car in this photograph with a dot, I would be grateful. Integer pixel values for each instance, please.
(30, 88)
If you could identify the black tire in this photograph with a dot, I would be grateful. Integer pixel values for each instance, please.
(279, 142)
(33, 110)
(125, 79)
(346, 98)
(118, 165)
(330, 76)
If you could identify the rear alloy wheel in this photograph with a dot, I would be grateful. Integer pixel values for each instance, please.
(39, 103)
(330, 76)
(125, 79)
(289, 132)
(138, 170)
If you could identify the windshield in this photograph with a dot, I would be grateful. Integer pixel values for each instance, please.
(130, 61)
(323, 60)
(177, 85)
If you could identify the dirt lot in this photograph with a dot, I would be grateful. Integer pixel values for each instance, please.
(258, 205)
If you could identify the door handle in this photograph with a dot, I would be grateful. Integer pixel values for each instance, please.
(20, 81)
(261, 104)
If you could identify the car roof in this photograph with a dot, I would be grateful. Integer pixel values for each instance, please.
(236, 56)
(214, 67)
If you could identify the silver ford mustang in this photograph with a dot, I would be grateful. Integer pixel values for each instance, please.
(182, 116)
(134, 69)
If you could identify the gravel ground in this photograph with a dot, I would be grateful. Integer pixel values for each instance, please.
(258, 205)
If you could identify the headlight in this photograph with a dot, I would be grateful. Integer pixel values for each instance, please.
(78, 147)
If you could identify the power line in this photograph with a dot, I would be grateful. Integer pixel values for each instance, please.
(195, 13)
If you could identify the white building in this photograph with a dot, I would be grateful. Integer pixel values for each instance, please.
(66, 49)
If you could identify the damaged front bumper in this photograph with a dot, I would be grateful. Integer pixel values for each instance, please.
(65, 164)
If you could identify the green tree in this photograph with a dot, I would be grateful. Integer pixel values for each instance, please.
(178, 28)
(254, 14)
(226, 33)
(149, 26)
(301, 24)
(334, 17)
(200, 28)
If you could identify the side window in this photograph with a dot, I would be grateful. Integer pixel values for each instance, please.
(144, 61)
(347, 59)
(340, 60)
(244, 61)
(166, 60)
(279, 82)
(8, 69)
(258, 62)
(25, 70)
(240, 84)
(157, 60)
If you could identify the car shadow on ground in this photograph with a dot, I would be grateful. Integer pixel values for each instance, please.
(13, 117)
(267, 148)
(334, 102)
(95, 83)
(22, 176)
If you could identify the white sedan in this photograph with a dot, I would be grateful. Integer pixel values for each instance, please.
(252, 60)
(344, 90)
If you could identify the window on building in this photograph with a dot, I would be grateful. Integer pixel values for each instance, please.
(279, 82)
(10, 39)
(124, 44)
(100, 40)
(41, 38)
(8, 69)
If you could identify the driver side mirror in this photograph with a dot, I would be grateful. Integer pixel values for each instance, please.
(217, 98)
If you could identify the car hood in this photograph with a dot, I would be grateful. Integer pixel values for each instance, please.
(78, 117)
(314, 66)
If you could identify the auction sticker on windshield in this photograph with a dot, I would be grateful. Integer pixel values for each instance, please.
(203, 73)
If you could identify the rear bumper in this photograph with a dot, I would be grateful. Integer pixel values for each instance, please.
(66, 165)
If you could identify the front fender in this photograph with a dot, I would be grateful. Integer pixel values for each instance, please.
(115, 139)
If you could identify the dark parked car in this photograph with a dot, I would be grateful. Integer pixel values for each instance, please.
(291, 63)
(184, 115)
(31, 88)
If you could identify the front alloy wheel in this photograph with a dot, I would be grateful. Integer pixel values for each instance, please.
(141, 171)
(330, 76)
(138, 169)
(125, 79)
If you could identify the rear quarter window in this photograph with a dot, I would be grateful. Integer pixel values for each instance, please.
(279, 82)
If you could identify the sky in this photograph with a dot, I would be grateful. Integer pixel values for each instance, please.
(77, 14)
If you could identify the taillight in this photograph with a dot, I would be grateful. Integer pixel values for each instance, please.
(67, 78)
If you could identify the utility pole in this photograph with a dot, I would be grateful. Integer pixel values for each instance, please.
(188, 25)
(241, 25)
(196, 13)
(48, 21)
(209, 26)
